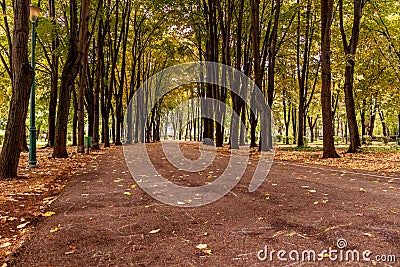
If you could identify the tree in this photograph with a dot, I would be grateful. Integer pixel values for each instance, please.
(350, 49)
(69, 74)
(326, 95)
(22, 74)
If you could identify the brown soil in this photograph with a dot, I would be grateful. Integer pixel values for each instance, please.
(103, 218)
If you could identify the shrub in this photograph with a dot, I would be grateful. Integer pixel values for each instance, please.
(290, 139)
(337, 139)
(366, 139)
(385, 140)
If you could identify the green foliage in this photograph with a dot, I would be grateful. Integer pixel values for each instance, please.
(366, 139)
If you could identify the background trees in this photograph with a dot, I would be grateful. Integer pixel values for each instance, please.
(93, 56)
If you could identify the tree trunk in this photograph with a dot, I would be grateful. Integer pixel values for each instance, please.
(236, 93)
(363, 126)
(372, 121)
(327, 115)
(255, 23)
(23, 75)
(384, 127)
(302, 70)
(350, 49)
(75, 119)
(294, 124)
(70, 72)
(54, 80)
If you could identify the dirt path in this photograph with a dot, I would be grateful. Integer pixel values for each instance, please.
(104, 219)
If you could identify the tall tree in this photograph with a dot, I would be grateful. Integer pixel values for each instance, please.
(84, 47)
(54, 78)
(326, 94)
(22, 74)
(69, 74)
(350, 48)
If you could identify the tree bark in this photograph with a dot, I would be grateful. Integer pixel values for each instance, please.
(350, 49)
(22, 74)
(236, 93)
(99, 74)
(74, 137)
(69, 74)
(326, 95)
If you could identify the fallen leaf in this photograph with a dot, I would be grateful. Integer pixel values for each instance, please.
(54, 230)
(4, 245)
(362, 190)
(267, 196)
(69, 252)
(316, 202)
(48, 214)
(201, 246)
(155, 231)
(22, 225)
(133, 186)
(127, 193)
(369, 235)
(207, 251)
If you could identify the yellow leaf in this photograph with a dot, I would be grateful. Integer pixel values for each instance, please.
(316, 202)
(391, 187)
(207, 251)
(72, 251)
(133, 186)
(362, 190)
(201, 246)
(267, 196)
(155, 231)
(48, 214)
(127, 193)
(54, 230)
(369, 235)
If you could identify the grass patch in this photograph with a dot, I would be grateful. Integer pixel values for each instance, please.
(305, 149)
(381, 149)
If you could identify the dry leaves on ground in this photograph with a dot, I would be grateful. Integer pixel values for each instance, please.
(368, 160)
(24, 199)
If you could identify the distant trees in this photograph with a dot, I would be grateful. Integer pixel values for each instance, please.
(93, 58)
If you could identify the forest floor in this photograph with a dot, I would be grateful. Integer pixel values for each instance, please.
(102, 218)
